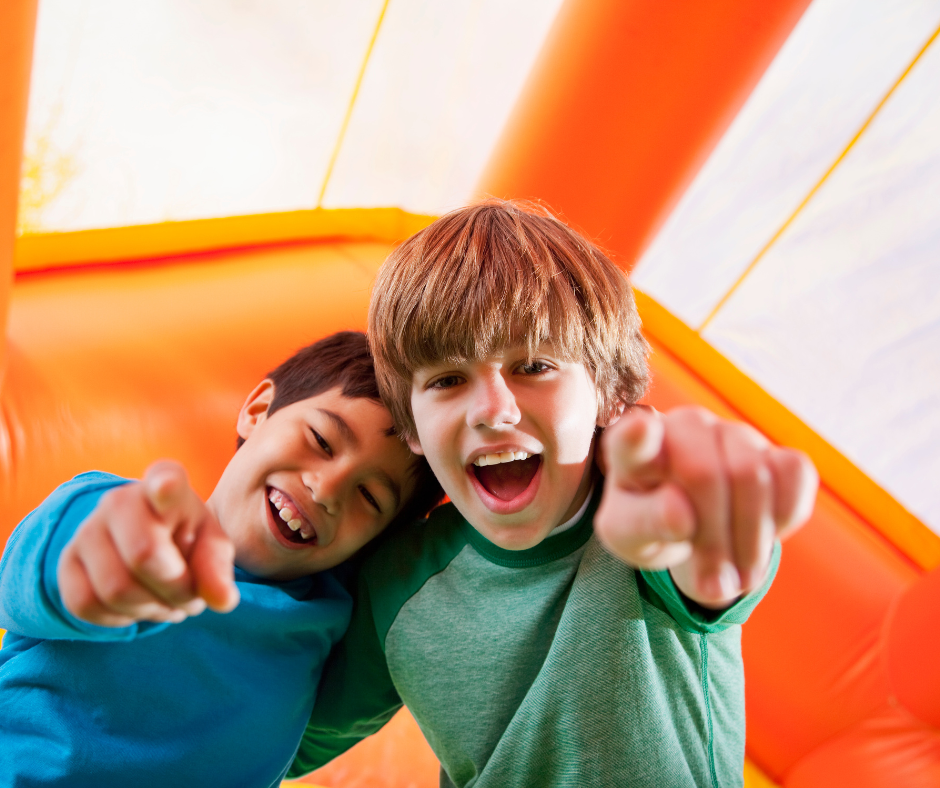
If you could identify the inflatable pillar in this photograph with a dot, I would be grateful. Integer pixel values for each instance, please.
(624, 105)
(17, 29)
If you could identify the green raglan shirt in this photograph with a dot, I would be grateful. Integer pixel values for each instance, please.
(553, 666)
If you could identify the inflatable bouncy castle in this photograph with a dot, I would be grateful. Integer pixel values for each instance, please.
(190, 191)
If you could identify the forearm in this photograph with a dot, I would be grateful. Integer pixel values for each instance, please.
(30, 603)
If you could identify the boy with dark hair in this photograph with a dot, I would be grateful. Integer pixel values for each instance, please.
(505, 344)
(106, 679)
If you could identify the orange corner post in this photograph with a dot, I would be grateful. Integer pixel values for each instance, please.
(624, 105)
(17, 29)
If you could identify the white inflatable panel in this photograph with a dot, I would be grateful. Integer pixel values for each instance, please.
(838, 63)
(438, 89)
(149, 110)
(841, 319)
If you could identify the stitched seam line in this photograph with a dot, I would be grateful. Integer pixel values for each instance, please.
(703, 644)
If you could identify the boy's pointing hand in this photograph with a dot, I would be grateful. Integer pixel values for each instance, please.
(700, 496)
(151, 550)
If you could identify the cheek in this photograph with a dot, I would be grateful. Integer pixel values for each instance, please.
(574, 427)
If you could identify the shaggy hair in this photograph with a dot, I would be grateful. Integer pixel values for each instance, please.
(498, 275)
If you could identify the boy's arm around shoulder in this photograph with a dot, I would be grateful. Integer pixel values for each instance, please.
(705, 498)
(356, 695)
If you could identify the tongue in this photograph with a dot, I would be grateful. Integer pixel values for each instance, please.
(508, 479)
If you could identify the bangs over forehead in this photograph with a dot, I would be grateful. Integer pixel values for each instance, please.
(501, 275)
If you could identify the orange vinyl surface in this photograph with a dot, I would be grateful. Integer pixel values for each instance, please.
(17, 25)
(111, 368)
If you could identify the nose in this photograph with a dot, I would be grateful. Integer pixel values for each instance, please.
(327, 486)
(494, 403)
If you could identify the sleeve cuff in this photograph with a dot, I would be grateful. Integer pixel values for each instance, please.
(661, 591)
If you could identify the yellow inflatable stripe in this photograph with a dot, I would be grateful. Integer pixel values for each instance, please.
(755, 778)
(292, 784)
(837, 472)
(167, 239)
(352, 103)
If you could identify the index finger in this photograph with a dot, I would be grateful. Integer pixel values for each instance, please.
(633, 450)
(209, 552)
(146, 543)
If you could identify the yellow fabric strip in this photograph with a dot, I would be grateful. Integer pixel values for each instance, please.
(167, 239)
(352, 103)
(755, 778)
(837, 472)
(799, 209)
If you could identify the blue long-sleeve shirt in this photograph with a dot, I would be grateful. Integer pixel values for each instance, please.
(216, 700)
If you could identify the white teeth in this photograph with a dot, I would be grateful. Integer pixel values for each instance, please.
(496, 459)
(285, 510)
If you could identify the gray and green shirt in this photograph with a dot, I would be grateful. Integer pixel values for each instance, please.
(553, 666)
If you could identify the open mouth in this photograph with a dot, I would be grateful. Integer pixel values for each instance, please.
(288, 519)
(506, 476)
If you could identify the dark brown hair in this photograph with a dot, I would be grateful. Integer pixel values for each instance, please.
(498, 274)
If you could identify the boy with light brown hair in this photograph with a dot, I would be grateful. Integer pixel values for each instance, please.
(573, 616)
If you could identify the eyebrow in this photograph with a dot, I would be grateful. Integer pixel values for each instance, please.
(380, 476)
(340, 423)
(391, 485)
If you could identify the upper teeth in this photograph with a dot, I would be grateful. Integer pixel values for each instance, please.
(287, 514)
(504, 456)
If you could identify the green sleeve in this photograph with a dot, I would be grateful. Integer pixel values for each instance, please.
(659, 590)
(356, 695)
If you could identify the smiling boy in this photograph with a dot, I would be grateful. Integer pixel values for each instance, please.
(529, 654)
(107, 675)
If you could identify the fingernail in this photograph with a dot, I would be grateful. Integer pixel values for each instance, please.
(729, 581)
(177, 617)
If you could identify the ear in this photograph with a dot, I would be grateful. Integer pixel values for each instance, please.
(255, 409)
(612, 416)
(415, 445)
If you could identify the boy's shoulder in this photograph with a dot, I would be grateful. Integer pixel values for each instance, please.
(416, 549)
(86, 482)
(406, 557)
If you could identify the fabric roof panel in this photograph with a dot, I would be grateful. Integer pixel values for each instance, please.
(153, 111)
(839, 62)
(841, 318)
(436, 93)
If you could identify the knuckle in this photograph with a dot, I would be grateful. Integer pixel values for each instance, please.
(702, 477)
(141, 553)
(113, 590)
(749, 473)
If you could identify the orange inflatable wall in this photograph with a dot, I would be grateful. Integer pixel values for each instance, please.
(110, 366)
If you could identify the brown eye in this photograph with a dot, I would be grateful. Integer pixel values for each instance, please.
(323, 444)
(446, 382)
(370, 500)
(534, 368)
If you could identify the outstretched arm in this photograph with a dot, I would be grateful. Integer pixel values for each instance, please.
(151, 550)
(701, 496)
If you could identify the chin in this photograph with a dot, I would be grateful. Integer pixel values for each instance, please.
(513, 537)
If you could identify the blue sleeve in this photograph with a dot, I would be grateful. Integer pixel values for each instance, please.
(30, 604)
